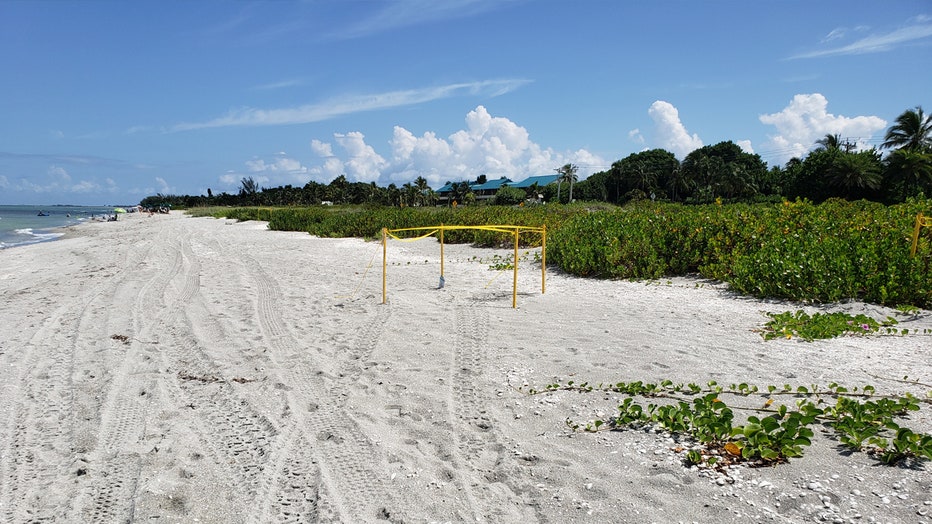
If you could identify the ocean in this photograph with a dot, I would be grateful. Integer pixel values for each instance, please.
(22, 225)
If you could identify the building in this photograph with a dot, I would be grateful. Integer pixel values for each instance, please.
(487, 189)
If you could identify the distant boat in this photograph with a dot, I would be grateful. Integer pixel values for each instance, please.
(42, 214)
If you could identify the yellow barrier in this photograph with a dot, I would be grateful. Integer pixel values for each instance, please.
(438, 230)
(920, 222)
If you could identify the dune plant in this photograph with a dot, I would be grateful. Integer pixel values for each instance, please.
(776, 432)
(808, 327)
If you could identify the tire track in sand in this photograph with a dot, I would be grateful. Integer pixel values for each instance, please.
(339, 484)
(52, 423)
(480, 458)
(114, 465)
(238, 437)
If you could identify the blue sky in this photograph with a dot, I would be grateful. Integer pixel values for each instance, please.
(106, 102)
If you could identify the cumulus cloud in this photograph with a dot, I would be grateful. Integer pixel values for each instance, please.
(229, 179)
(276, 170)
(671, 133)
(362, 164)
(489, 145)
(59, 173)
(806, 119)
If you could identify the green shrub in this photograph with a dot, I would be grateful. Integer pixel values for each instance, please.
(833, 251)
(795, 250)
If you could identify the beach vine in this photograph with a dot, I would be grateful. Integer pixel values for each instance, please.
(808, 327)
(860, 418)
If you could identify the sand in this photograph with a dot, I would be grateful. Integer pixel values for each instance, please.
(179, 369)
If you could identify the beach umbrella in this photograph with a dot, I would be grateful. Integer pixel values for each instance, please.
(119, 210)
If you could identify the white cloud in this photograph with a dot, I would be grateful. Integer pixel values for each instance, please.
(806, 120)
(57, 179)
(163, 186)
(493, 146)
(230, 179)
(59, 173)
(413, 12)
(745, 146)
(635, 136)
(352, 104)
(281, 164)
(279, 170)
(84, 186)
(834, 34)
(363, 164)
(920, 29)
(278, 85)
(671, 133)
(321, 149)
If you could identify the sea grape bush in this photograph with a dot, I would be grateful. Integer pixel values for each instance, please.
(367, 222)
(795, 250)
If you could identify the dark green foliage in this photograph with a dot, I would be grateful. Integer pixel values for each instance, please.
(508, 196)
(796, 250)
(367, 222)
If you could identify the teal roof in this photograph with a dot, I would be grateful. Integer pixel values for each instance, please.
(495, 185)
(491, 185)
(541, 180)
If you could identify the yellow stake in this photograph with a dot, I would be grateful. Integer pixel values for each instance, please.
(515, 230)
(384, 259)
(514, 286)
(912, 251)
(543, 259)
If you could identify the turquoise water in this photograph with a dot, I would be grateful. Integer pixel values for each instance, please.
(22, 225)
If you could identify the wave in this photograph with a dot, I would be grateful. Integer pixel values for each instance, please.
(25, 236)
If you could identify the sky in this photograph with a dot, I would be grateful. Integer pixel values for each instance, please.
(107, 102)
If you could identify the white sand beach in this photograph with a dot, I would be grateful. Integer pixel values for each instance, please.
(176, 369)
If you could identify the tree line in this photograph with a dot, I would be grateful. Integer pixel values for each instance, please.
(719, 172)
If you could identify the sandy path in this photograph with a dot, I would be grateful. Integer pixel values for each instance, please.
(174, 369)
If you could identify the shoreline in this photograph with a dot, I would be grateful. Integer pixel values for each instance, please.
(63, 232)
(181, 368)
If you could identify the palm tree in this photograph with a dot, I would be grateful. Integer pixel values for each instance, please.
(856, 173)
(830, 142)
(459, 192)
(249, 190)
(679, 183)
(567, 174)
(559, 183)
(425, 193)
(912, 130)
(532, 192)
(912, 168)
